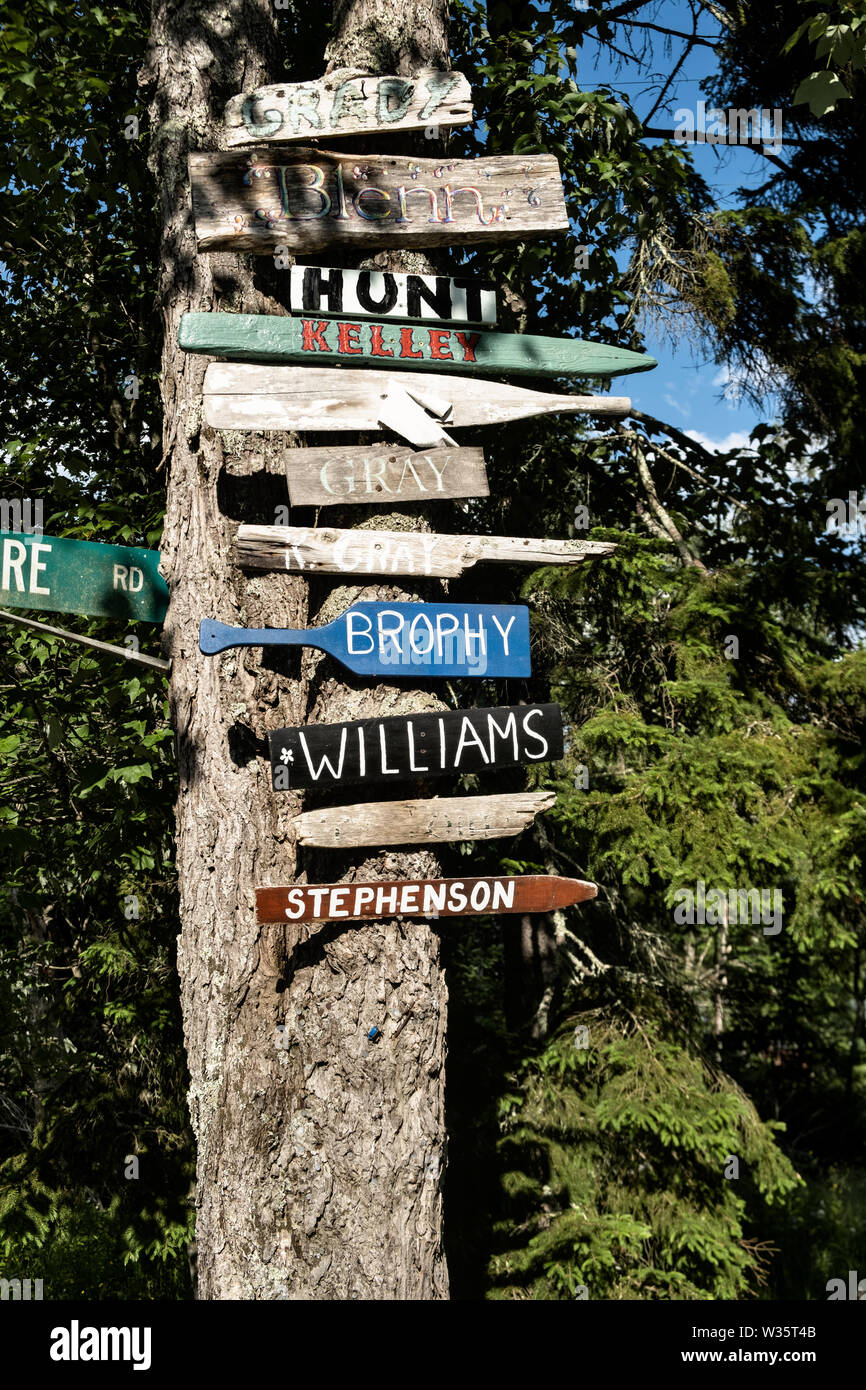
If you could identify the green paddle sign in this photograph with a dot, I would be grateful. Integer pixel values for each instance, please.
(102, 581)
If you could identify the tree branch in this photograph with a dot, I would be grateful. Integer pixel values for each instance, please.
(758, 144)
(675, 33)
(661, 516)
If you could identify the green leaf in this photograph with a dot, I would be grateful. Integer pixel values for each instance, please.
(821, 90)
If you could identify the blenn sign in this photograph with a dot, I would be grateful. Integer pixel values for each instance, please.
(426, 897)
(309, 200)
(402, 639)
(414, 746)
(68, 576)
(385, 294)
(348, 103)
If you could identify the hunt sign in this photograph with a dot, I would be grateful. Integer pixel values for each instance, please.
(376, 473)
(385, 294)
(309, 200)
(402, 639)
(241, 396)
(421, 822)
(425, 897)
(326, 551)
(272, 338)
(348, 103)
(414, 745)
(66, 576)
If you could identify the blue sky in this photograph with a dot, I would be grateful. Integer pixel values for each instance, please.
(687, 389)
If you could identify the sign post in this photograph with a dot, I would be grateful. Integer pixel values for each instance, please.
(369, 343)
(328, 551)
(331, 477)
(387, 294)
(67, 576)
(426, 897)
(348, 103)
(402, 639)
(414, 745)
(242, 396)
(310, 200)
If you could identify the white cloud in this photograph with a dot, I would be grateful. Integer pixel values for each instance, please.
(737, 439)
(676, 404)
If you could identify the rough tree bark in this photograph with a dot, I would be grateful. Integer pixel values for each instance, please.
(320, 1154)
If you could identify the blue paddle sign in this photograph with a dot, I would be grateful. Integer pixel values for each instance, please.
(402, 639)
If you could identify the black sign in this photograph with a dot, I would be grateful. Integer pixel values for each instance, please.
(415, 745)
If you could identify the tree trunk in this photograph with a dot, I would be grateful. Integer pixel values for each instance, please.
(320, 1153)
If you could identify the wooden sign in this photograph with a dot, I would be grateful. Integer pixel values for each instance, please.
(326, 551)
(240, 396)
(402, 639)
(272, 338)
(424, 897)
(414, 745)
(348, 103)
(385, 294)
(421, 822)
(66, 576)
(378, 473)
(309, 200)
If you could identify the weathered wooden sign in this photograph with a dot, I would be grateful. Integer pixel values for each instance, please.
(425, 897)
(241, 396)
(402, 639)
(376, 473)
(414, 745)
(67, 576)
(272, 338)
(346, 102)
(310, 200)
(386, 294)
(421, 822)
(326, 551)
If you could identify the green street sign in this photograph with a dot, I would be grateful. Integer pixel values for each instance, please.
(102, 581)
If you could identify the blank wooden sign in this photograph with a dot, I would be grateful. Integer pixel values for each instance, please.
(381, 473)
(414, 745)
(348, 103)
(309, 200)
(420, 897)
(386, 294)
(421, 822)
(326, 551)
(242, 396)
